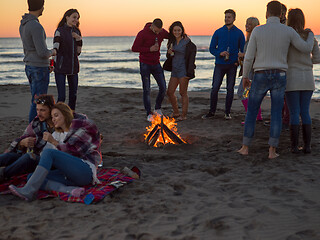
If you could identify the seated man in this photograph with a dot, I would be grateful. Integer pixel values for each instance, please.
(24, 153)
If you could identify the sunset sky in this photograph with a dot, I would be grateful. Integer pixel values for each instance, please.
(127, 17)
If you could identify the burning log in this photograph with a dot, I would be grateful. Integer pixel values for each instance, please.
(156, 127)
(154, 138)
(172, 135)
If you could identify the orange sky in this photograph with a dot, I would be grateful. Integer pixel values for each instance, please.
(127, 17)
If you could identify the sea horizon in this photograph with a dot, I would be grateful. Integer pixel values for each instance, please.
(109, 62)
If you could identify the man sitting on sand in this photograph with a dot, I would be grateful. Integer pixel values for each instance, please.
(267, 55)
(148, 43)
(24, 153)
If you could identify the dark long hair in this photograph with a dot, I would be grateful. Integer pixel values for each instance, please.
(172, 38)
(296, 20)
(68, 13)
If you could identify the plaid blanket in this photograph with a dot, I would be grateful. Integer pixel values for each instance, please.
(111, 179)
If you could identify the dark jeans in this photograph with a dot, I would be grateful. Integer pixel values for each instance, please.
(61, 87)
(39, 81)
(219, 71)
(299, 103)
(157, 73)
(17, 164)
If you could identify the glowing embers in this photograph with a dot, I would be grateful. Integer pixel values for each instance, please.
(163, 130)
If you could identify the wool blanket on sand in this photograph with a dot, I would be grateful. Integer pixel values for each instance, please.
(111, 179)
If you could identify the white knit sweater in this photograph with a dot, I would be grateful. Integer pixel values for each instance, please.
(300, 72)
(269, 44)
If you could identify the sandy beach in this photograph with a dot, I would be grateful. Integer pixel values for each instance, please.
(201, 190)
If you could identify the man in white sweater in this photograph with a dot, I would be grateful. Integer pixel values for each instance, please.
(267, 55)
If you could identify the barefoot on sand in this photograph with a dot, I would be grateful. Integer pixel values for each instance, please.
(244, 150)
(272, 153)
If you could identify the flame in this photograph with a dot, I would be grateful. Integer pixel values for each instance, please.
(170, 123)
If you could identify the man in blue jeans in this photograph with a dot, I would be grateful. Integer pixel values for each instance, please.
(36, 54)
(225, 45)
(148, 43)
(267, 55)
(24, 152)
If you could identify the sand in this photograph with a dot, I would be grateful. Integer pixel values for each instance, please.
(202, 190)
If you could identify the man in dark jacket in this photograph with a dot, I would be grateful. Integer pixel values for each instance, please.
(36, 54)
(148, 43)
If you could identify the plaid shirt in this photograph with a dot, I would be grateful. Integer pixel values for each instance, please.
(83, 141)
(35, 129)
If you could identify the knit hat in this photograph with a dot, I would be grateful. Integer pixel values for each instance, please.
(35, 5)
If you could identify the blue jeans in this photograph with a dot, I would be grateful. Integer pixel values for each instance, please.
(17, 164)
(68, 170)
(39, 81)
(73, 88)
(275, 82)
(219, 71)
(157, 73)
(298, 103)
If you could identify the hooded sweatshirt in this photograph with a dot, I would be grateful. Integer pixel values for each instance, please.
(144, 40)
(33, 39)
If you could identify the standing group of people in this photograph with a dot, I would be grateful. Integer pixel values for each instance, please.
(277, 57)
(66, 48)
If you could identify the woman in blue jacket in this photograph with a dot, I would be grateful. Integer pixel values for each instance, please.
(68, 42)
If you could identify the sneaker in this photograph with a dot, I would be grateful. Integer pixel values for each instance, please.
(150, 117)
(267, 123)
(158, 111)
(227, 116)
(208, 115)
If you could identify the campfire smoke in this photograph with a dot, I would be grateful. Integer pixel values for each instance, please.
(162, 131)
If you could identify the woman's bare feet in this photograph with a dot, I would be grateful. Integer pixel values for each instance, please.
(272, 153)
(181, 118)
(244, 150)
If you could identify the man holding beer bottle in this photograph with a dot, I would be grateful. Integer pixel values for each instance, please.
(225, 45)
(147, 43)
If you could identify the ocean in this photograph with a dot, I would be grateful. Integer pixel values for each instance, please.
(109, 62)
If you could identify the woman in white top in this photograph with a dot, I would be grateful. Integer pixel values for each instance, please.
(300, 83)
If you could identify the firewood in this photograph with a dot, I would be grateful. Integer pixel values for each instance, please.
(172, 135)
(152, 133)
(154, 138)
(161, 129)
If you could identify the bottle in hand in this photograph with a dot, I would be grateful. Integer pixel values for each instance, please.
(172, 51)
(51, 62)
(226, 57)
(246, 92)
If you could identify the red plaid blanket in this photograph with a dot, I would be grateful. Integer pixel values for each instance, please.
(93, 194)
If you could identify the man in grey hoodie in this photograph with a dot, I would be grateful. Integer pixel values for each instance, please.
(36, 53)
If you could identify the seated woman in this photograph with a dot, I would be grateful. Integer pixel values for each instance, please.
(75, 160)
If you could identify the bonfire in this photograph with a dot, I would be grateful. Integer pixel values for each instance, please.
(162, 131)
